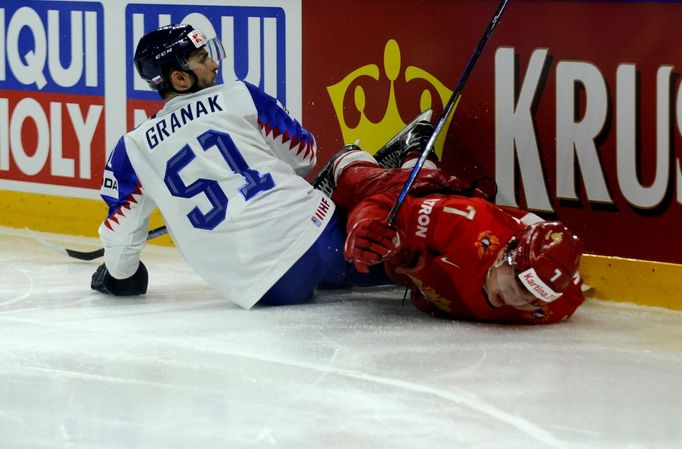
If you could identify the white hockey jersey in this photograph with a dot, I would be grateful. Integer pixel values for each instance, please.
(224, 166)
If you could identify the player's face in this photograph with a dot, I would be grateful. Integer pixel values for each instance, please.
(204, 67)
(504, 288)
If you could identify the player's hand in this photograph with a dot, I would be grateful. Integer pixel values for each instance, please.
(104, 282)
(369, 242)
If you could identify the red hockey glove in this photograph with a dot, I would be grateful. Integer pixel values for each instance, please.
(369, 242)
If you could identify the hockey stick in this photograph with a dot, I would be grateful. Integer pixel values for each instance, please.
(449, 107)
(89, 255)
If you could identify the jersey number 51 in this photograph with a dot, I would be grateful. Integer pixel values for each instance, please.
(255, 182)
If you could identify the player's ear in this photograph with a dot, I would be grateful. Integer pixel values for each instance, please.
(180, 80)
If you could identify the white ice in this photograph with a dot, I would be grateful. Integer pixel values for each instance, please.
(184, 368)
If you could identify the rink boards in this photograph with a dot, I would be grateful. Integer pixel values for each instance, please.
(581, 127)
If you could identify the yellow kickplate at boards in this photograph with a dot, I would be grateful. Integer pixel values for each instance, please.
(58, 214)
(630, 280)
(612, 278)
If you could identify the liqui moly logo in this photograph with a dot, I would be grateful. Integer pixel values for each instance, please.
(52, 46)
(258, 41)
(537, 287)
(51, 95)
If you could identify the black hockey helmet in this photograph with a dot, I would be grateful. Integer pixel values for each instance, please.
(169, 47)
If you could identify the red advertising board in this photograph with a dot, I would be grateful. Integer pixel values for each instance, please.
(574, 107)
(52, 84)
(51, 137)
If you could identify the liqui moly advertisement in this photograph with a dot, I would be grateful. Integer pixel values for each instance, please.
(69, 89)
(51, 95)
(262, 43)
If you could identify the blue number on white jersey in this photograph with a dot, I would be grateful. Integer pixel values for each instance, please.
(255, 182)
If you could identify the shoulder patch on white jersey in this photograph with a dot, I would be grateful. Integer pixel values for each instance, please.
(109, 184)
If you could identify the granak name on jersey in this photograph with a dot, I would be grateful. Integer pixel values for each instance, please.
(109, 184)
(167, 126)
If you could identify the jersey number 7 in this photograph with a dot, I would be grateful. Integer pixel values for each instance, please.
(255, 182)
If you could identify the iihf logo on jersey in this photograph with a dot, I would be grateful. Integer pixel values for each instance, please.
(321, 212)
(255, 39)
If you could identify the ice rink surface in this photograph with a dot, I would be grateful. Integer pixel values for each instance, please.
(184, 368)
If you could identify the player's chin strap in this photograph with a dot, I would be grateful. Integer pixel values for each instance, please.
(448, 110)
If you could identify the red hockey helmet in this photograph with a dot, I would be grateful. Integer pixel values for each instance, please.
(546, 259)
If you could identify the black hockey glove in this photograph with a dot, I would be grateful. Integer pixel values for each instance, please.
(136, 284)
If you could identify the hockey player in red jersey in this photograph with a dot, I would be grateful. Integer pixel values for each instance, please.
(460, 255)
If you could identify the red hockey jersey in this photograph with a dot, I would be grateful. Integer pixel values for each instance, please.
(448, 243)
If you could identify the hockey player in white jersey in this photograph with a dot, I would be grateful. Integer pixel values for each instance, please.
(224, 164)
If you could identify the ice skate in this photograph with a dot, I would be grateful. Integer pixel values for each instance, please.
(408, 143)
